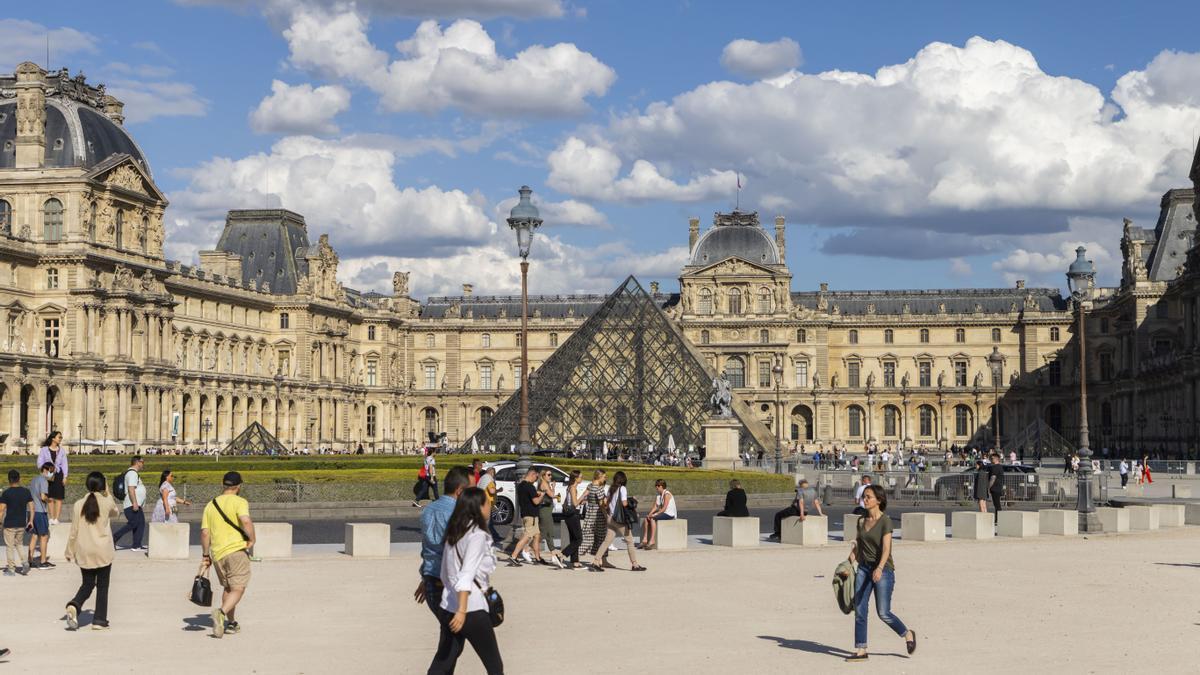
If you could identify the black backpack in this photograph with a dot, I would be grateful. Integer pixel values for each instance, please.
(118, 487)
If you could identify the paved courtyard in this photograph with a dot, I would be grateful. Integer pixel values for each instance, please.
(1100, 604)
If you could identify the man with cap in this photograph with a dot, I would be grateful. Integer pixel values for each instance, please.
(226, 537)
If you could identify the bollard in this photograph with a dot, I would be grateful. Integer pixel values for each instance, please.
(812, 531)
(169, 541)
(736, 532)
(371, 540)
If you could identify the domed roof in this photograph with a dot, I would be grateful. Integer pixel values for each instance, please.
(77, 133)
(746, 241)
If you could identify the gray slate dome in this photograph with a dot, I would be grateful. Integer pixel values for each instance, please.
(76, 136)
(748, 242)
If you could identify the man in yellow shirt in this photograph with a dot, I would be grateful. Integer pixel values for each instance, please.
(226, 535)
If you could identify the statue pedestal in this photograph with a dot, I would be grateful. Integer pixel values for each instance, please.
(722, 437)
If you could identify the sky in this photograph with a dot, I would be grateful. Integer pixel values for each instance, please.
(909, 145)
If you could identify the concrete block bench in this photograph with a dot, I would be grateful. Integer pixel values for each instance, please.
(812, 531)
(1019, 524)
(1181, 491)
(56, 548)
(273, 540)
(736, 532)
(169, 541)
(1170, 515)
(1058, 522)
(849, 527)
(368, 540)
(1113, 520)
(672, 535)
(1191, 514)
(1142, 517)
(972, 525)
(923, 526)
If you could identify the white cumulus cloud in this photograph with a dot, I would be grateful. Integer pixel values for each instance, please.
(479, 9)
(300, 109)
(593, 172)
(22, 40)
(758, 60)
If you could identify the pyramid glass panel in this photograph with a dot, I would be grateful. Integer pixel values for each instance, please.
(255, 440)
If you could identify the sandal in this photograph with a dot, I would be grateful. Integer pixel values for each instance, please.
(911, 645)
(595, 568)
(639, 568)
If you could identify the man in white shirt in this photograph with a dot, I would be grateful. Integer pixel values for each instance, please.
(135, 498)
(1124, 472)
(860, 509)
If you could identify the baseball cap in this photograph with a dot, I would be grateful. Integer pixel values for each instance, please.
(232, 478)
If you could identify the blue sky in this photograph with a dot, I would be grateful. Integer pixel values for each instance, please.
(908, 145)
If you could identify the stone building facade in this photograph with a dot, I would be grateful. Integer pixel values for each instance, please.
(106, 339)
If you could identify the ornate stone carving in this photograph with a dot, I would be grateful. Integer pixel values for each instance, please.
(400, 284)
(122, 279)
(127, 178)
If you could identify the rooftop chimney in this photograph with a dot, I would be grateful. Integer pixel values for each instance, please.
(779, 238)
(693, 233)
(31, 116)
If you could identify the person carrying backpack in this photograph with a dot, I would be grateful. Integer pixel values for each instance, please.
(132, 493)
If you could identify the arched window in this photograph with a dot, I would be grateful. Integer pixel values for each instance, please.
(120, 228)
(284, 320)
(995, 335)
(735, 369)
(91, 224)
(5, 218)
(891, 422)
(853, 337)
(962, 420)
(1054, 334)
(924, 335)
(485, 340)
(764, 301)
(485, 416)
(801, 335)
(52, 220)
(705, 338)
(735, 301)
(889, 336)
(431, 421)
(764, 336)
(855, 419)
(706, 303)
(926, 420)
(960, 335)
(143, 234)
(371, 421)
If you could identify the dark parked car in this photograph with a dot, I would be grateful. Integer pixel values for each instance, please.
(1020, 483)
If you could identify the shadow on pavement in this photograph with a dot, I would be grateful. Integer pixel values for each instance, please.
(1179, 564)
(198, 623)
(818, 648)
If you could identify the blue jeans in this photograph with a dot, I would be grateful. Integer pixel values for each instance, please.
(135, 521)
(433, 595)
(863, 587)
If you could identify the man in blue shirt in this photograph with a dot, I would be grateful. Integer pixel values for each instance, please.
(434, 519)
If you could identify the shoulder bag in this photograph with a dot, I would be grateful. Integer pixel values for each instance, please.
(495, 603)
(245, 537)
(629, 511)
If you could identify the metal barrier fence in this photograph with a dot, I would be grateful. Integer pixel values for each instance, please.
(957, 487)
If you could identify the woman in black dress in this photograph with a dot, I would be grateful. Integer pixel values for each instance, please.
(53, 451)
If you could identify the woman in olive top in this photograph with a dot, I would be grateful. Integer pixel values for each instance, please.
(90, 544)
(872, 550)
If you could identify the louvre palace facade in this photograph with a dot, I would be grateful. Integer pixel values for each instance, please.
(106, 339)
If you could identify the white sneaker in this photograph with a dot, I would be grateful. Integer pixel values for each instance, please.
(613, 547)
(54, 521)
(558, 561)
(526, 557)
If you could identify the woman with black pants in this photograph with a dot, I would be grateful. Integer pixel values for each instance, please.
(571, 517)
(90, 544)
(467, 566)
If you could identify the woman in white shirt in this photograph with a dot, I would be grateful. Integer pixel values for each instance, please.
(164, 510)
(467, 566)
(618, 499)
(664, 509)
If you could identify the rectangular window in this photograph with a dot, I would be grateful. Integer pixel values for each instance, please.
(764, 374)
(554, 339)
(372, 373)
(1104, 324)
(518, 343)
(855, 423)
(1106, 366)
(960, 373)
(889, 374)
(485, 376)
(370, 332)
(1054, 373)
(517, 376)
(961, 420)
(52, 278)
(802, 373)
(51, 337)
(485, 340)
(431, 377)
(925, 373)
(852, 372)
(284, 320)
(371, 421)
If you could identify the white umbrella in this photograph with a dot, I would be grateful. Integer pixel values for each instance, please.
(474, 445)
(671, 442)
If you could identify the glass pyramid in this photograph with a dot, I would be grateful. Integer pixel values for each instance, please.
(255, 440)
(626, 376)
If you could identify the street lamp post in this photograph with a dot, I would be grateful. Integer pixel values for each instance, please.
(996, 361)
(777, 371)
(204, 427)
(81, 436)
(1080, 277)
(524, 220)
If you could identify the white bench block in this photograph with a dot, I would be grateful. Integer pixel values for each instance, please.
(1142, 517)
(1058, 521)
(922, 526)
(57, 546)
(1191, 514)
(1170, 515)
(372, 540)
(812, 531)
(273, 540)
(849, 527)
(671, 535)
(169, 541)
(1018, 524)
(1113, 520)
(736, 532)
(1181, 491)
(972, 525)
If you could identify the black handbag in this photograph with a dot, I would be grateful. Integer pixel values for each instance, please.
(495, 603)
(629, 512)
(202, 591)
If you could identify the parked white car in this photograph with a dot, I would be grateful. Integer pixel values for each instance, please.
(506, 488)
